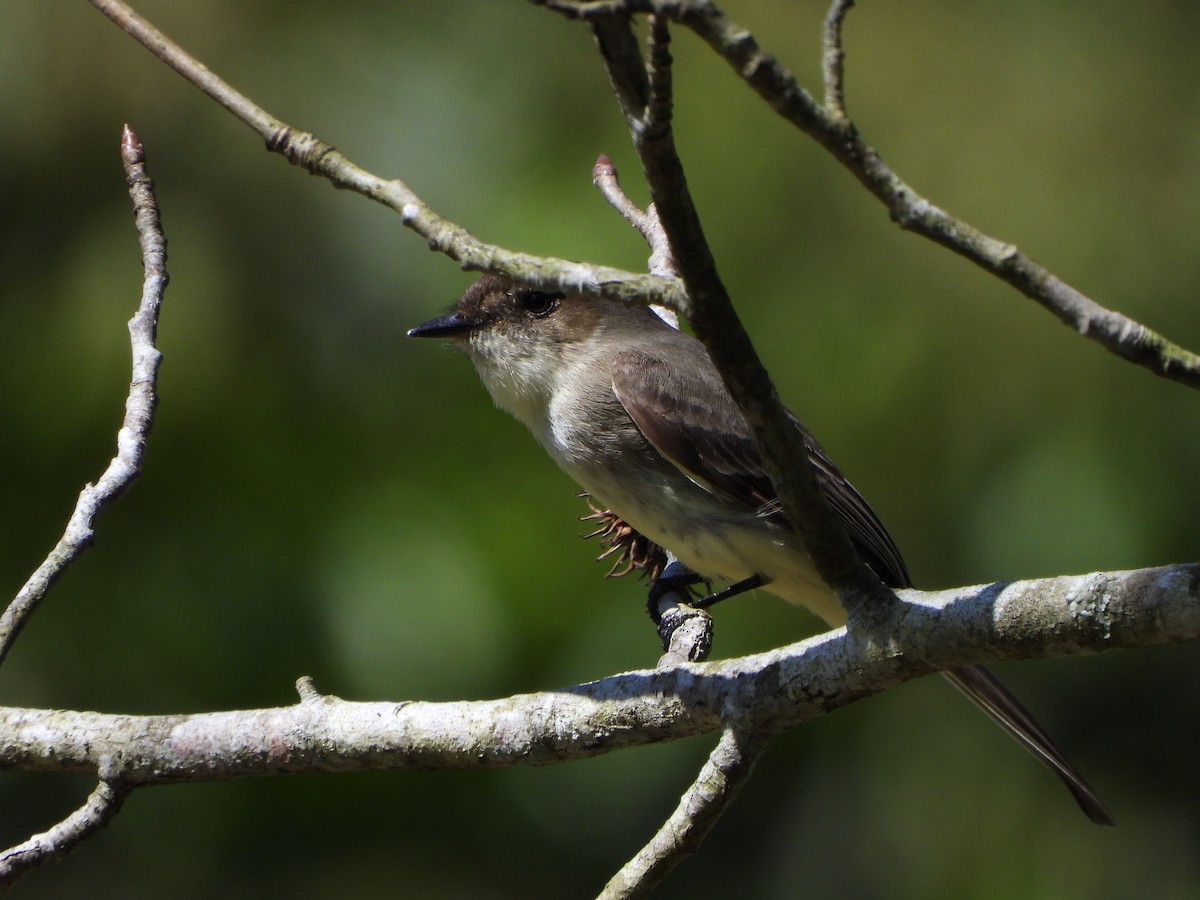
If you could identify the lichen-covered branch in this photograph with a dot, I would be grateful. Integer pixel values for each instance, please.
(761, 694)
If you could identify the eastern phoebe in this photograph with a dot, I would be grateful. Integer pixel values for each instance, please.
(634, 410)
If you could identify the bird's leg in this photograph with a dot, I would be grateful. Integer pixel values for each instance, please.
(671, 608)
(746, 584)
(685, 632)
(676, 578)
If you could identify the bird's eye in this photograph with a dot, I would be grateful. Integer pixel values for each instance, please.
(538, 303)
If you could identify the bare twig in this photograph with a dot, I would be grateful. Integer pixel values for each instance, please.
(720, 779)
(832, 58)
(829, 126)
(139, 406)
(775, 84)
(320, 158)
(103, 803)
(604, 176)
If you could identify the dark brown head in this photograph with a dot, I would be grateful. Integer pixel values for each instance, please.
(522, 340)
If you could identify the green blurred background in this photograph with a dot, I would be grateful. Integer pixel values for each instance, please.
(323, 497)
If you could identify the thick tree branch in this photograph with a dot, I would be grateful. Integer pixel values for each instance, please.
(320, 158)
(830, 127)
(762, 694)
(139, 406)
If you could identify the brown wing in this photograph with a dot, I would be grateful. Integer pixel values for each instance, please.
(689, 417)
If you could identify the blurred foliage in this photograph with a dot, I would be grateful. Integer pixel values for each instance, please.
(323, 497)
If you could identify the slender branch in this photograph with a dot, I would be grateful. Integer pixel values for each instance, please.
(715, 788)
(125, 467)
(762, 694)
(833, 57)
(103, 803)
(320, 158)
(828, 125)
(647, 222)
(604, 176)
(660, 104)
(711, 314)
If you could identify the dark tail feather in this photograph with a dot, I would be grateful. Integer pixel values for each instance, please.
(986, 692)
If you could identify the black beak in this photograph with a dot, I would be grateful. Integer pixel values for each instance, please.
(445, 326)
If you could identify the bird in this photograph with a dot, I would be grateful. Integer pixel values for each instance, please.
(635, 412)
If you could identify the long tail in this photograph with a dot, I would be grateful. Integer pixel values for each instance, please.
(986, 692)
